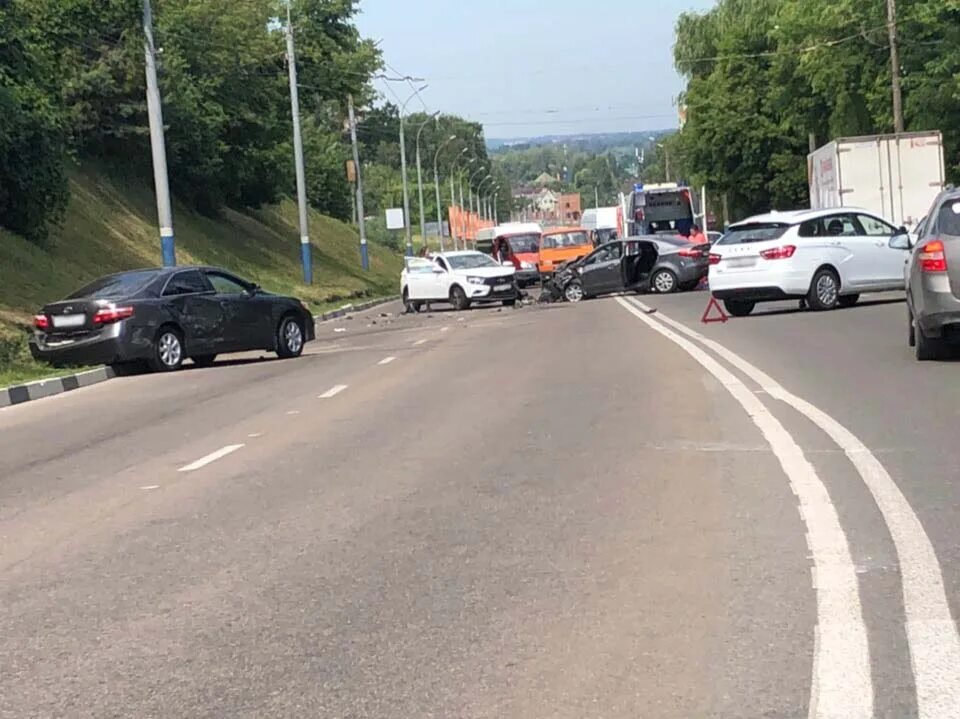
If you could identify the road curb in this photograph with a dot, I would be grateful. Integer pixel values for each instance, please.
(347, 309)
(19, 394)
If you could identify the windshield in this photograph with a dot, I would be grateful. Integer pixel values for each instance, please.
(471, 262)
(565, 239)
(524, 244)
(757, 232)
(114, 286)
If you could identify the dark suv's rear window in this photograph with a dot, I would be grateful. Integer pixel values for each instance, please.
(757, 232)
(114, 286)
(948, 223)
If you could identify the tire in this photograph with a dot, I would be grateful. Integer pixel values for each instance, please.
(911, 330)
(458, 298)
(739, 308)
(167, 350)
(410, 305)
(927, 348)
(509, 303)
(664, 282)
(573, 292)
(824, 290)
(290, 337)
(203, 360)
(848, 300)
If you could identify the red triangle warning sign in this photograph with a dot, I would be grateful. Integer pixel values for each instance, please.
(713, 305)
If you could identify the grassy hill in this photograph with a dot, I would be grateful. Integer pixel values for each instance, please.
(111, 226)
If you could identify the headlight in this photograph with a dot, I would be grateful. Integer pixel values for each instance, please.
(527, 266)
(475, 280)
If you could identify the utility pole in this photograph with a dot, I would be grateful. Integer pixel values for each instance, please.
(406, 193)
(453, 204)
(463, 216)
(157, 144)
(423, 222)
(496, 196)
(895, 67)
(298, 157)
(361, 224)
(596, 196)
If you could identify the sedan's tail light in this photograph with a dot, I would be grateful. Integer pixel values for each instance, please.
(112, 314)
(715, 259)
(41, 322)
(779, 253)
(932, 258)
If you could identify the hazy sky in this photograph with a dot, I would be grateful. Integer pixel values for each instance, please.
(533, 67)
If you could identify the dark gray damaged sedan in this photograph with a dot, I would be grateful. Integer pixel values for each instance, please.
(163, 316)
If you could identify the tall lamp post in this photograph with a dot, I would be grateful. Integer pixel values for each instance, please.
(436, 184)
(423, 223)
(470, 185)
(463, 215)
(483, 208)
(403, 170)
(453, 198)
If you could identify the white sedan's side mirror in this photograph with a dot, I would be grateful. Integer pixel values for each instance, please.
(900, 241)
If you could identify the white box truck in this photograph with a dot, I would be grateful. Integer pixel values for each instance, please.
(896, 176)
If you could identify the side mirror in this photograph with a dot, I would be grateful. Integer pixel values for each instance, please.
(438, 270)
(506, 263)
(901, 240)
(253, 290)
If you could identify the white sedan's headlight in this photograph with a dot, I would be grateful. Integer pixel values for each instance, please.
(527, 266)
(475, 280)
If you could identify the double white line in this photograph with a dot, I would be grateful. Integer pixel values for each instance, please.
(842, 684)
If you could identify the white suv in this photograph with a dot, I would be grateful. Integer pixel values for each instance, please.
(460, 278)
(826, 258)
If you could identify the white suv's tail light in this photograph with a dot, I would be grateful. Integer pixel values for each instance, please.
(779, 253)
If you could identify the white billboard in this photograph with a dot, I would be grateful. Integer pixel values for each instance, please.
(395, 219)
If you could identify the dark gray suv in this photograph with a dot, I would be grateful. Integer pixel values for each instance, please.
(933, 278)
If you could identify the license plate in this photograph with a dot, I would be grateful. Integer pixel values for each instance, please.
(501, 288)
(70, 321)
(741, 262)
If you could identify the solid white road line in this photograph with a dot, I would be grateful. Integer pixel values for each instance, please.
(212, 457)
(333, 391)
(842, 684)
(386, 360)
(931, 631)
(419, 342)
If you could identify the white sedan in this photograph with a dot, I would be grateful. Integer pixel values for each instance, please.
(826, 258)
(460, 278)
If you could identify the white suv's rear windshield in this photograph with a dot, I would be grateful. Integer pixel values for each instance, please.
(757, 232)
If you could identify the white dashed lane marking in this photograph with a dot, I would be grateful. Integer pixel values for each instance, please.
(212, 457)
(386, 360)
(333, 391)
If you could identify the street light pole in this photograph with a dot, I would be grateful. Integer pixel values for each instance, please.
(453, 198)
(423, 223)
(403, 172)
(157, 146)
(436, 185)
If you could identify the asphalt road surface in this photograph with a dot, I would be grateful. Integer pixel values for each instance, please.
(557, 511)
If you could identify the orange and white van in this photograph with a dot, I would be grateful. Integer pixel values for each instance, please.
(561, 245)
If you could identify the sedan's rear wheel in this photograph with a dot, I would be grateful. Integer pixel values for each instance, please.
(289, 338)
(664, 282)
(167, 351)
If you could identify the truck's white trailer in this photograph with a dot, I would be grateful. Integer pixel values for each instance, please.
(896, 176)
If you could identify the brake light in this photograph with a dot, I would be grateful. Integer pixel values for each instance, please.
(41, 322)
(779, 253)
(715, 259)
(932, 258)
(112, 314)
